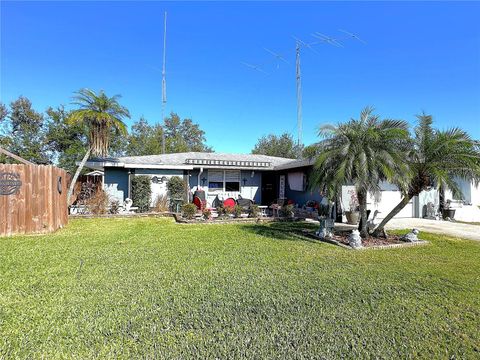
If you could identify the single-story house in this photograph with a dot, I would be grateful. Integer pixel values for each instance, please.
(261, 178)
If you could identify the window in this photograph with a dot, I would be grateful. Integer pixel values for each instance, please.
(232, 186)
(232, 180)
(215, 180)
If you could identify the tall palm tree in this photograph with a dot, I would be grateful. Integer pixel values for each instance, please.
(362, 152)
(101, 115)
(436, 158)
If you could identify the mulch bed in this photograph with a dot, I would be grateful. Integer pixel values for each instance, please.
(340, 238)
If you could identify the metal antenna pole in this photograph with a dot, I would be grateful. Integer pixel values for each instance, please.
(164, 82)
(299, 95)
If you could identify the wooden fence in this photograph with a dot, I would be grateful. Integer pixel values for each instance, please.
(33, 199)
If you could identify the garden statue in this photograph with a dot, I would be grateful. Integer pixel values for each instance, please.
(411, 236)
(372, 223)
(127, 204)
(354, 240)
(327, 224)
(431, 214)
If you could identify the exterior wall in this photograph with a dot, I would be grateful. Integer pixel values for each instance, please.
(250, 189)
(116, 183)
(158, 189)
(300, 197)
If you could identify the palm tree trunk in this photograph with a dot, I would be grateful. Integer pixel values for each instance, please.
(77, 174)
(379, 230)
(362, 200)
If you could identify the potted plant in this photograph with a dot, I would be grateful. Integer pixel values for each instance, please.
(353, 214)
(447, 212)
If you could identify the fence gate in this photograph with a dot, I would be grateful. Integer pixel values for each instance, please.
(33, 199)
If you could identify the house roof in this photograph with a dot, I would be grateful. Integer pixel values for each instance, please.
(191, 160)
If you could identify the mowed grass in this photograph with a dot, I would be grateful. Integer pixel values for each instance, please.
(150, 288)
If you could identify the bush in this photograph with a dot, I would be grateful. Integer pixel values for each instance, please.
(228, 210)
(221, 211)
(177, 188)
(161, 203)
(286, 211)
(254, 210)
(189, 211)
(237, 211)
(141, 192)
(206, 214)
(114, 207)
(97, 204)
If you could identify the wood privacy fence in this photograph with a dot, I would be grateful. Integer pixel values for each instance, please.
(33, 199)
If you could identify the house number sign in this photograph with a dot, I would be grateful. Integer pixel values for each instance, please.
(9, 183)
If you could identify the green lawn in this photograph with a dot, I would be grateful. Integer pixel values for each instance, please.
(131, 288)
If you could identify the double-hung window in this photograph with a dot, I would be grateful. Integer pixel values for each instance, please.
(224, 180)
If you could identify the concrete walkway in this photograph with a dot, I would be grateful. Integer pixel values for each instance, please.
(464, 231)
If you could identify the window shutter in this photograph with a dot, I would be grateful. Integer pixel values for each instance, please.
(215, 175)
(232, 176)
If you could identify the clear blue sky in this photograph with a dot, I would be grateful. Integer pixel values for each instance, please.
(419, 56)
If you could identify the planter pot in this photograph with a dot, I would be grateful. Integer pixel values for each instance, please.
(353, 217)
(448, 213)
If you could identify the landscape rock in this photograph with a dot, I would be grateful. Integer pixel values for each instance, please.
(355, 240)
(411, 236)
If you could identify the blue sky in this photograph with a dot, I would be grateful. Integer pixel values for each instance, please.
(419, 56)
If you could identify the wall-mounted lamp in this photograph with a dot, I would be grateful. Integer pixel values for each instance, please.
(244, 181)
(204, 180)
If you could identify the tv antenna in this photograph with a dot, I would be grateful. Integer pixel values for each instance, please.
(255, 67)
(320, 38)
(164, 81)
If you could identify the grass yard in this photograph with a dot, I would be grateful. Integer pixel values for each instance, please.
(146, 288)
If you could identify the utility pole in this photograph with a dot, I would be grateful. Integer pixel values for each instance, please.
(164, 81)
(299, 95)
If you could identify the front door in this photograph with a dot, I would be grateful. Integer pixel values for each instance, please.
(269, 188)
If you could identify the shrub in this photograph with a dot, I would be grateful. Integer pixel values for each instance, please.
(228, 210)
(141, 192)
(177, 188)
(189, 211)
(237, 211)
(161, 203)
(97, 204)
(254, 210)
(114, 207)
(220, 211)
(286, 211)
(206, 213)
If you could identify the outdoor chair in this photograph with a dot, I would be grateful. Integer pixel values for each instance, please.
(245, 204)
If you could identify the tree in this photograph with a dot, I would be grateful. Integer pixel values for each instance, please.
(101, 115)
(362, 152)
(144, 139)
(66, 142)
(22, 131)
(436, 158)
(183, 135)
(281, 146)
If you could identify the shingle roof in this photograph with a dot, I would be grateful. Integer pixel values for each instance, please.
(182, 159)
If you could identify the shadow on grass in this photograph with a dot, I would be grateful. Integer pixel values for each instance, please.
(283, 230)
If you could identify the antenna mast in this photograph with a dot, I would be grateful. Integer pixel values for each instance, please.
(164, 81)
(299, 95)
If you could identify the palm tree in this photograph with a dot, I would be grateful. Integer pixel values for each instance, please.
(436, 158)
(101, 115)
(362, 152)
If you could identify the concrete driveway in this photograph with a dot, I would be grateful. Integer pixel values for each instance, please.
(464, 231)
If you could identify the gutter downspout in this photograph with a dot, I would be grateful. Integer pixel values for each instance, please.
(198, 178)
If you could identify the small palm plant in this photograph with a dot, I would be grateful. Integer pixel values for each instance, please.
(101, 115)
(437, 158)
(362, 152)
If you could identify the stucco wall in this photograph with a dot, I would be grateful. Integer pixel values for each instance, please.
(116, 183)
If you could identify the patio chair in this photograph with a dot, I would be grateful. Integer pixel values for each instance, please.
(245, 204)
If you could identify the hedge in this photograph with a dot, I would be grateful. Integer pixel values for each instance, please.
(141, 192)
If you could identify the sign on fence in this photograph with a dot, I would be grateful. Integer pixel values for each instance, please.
(33, 199)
